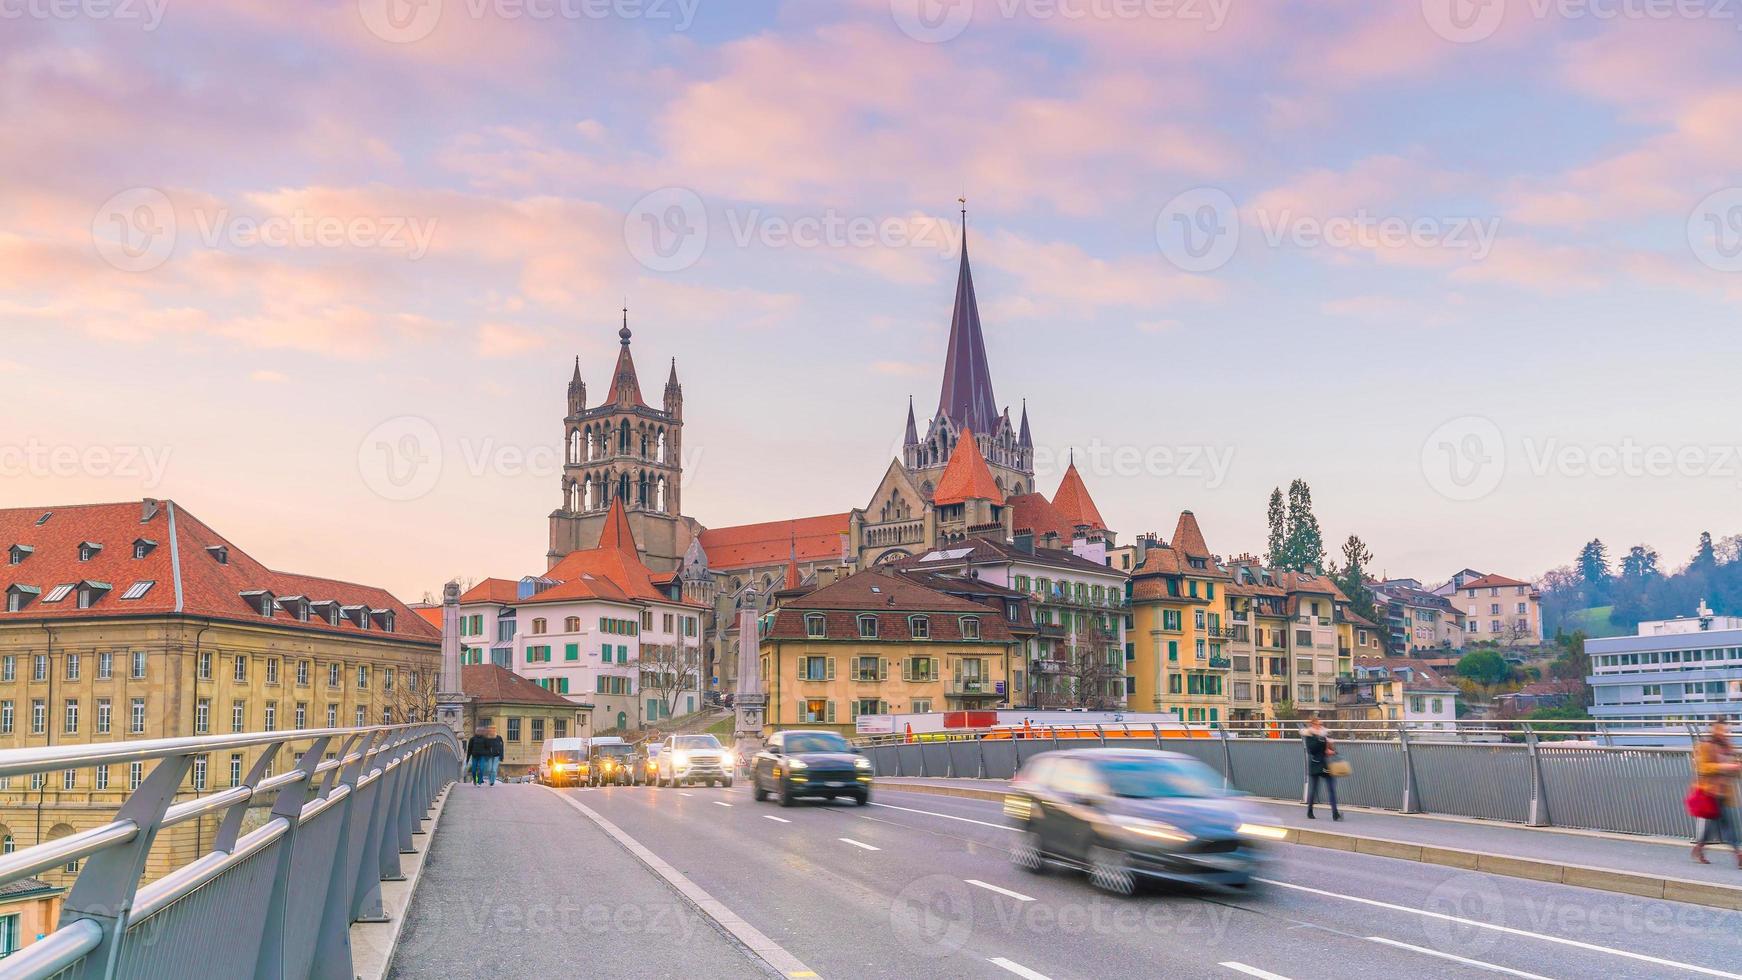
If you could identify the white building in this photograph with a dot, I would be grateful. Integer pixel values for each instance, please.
(1687, 669)
(1400, 691)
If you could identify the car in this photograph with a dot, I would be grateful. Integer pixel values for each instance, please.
(647, 763)
(796, 764)
(563, 762)
(612, 763)
(1127, 816)
(689, 759)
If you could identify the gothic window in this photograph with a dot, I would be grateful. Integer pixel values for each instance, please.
(623, 481)
(590, 450)
(661, 447)
(623, 441)
(641, 491)
(587, 495)
(660, 504)
(575, 446)
(644, 444)
(1017, 490)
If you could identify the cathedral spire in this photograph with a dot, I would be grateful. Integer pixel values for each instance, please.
(577, 391)
(912, 428)
(1023, 439)
(966, 398)
(625, 387)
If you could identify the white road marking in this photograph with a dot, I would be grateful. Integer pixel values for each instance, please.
(1576, 944)
(1478, 964)
(753, 939)
(682, 793)
(1018, 969)
(946, 816)
(1253, 971)
(721, 803)
(1002, 891)
(856, 843)
(770, 816)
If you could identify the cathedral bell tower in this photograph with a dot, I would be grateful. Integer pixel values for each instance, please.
(627, 451)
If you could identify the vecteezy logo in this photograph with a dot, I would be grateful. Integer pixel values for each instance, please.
(1461, 908)
(401, 459)
(400, 21)
(667, 230)
(1464, 21)
(1715, 230)
(1198, 230)
(932, 21)
(933, 916)
(134, 231)
(1465, 458)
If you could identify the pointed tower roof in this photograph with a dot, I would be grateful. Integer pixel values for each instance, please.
(625, 387)
(967, 477)
(966, 397)
(793, 579)
(671, 382)
(1188, 538)
(576, 379)
(617, 535)
(912, 428)
(1073, 502)
(1023, 439)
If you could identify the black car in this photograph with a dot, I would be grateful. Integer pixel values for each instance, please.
(612, 764)
(797, 763)
(1124, 815)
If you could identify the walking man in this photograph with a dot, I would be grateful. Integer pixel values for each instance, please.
(492, 753)
(1715, 769)
(1319, 749)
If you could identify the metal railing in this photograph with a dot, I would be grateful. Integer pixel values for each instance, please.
(1594, 775)
(277, 901)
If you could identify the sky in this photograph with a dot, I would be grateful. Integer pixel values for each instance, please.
(319, 271)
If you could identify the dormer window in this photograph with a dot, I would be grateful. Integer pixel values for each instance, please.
(296, 605)
(261, 601)
(358, 615)
(868, 627)
(326, 610)
(816, 625)
(18, 553)
(220, 554)
(921, 627)
(58, 593)
(143, 547)
(19, 596)
(970, 627)
(88, 550)
(383, 618)
(90, 592)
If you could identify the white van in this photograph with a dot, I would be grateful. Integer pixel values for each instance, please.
(563, 762)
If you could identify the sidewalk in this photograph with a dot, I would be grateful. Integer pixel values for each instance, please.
(1652, 866)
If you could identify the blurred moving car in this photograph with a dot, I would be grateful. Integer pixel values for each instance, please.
(563, 762)
(801, 763)
(689, 759)
(647, 763)
(1125, 815)
(612, 763)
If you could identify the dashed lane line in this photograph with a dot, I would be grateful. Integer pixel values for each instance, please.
(1018, 969)
(1478, 964)
(858, 843)
(1252, 971)
(977, 883)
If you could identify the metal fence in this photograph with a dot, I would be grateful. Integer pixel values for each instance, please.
(1576, 774)
(277, 901)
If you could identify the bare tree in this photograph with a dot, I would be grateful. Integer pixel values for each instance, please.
(1087, 671)
(667, 671)
(413, 697)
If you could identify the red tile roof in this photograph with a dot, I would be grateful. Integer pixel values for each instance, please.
(1188, 539)
(430, 614)
(203, 587)
(892, 597)
(1033, 512)
(967, 477)
(617, 534)
(1493, 582)
(771, 543)
(1073, 502)
(613, 570)
(497, 590)
(490, 684)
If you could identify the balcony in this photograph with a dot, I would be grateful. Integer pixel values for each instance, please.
(973, 688)
(1048, 666)
(1220, 663)
(1228, 633)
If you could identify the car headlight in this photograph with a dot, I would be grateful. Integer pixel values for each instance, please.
(797, 764)
(1263, 831)
(680, 758)
(862, 763)
(728, 759)
(1158, 829)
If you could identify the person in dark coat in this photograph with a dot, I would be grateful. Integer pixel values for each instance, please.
(484, 755)
(1320, 749)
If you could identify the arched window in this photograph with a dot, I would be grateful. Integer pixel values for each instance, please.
(587, 495)
(7, 844)
(591, 445)
(661, 445)
(660, 505)
(623, 488)
(623, 437)
(537, 627)
(56, 832)
(644, 444)
(572, 624)
(641, 490)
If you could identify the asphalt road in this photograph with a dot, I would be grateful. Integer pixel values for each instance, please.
(920, 886)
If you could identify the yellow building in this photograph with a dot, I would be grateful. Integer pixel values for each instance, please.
(523, 713)
(1181, 628)
(29, 909)
(138, 621)
(877, 642)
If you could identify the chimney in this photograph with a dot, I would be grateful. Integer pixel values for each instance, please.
(1024, 542)
(148, 509)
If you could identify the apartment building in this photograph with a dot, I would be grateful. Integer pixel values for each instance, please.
(1686, 669)
(1181, 628)
(1398, 691)
(1416, 620)
(1496, 609)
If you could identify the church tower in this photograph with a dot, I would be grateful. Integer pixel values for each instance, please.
(966, 404)
(625, 451)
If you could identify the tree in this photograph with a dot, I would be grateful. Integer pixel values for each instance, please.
(1303, 544)
(1705, 560)
(1351, 577)
(667, 671)
(413, 696)
(1089, 672)
(1639, 565)
(1484, 667)
(1274, 515)
(1593, 565)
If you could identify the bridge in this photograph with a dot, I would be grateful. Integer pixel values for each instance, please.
(363, 857)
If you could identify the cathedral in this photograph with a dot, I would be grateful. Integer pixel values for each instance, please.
(970, 475)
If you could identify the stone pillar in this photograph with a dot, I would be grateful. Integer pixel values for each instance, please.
(749, 700)
(451, 699)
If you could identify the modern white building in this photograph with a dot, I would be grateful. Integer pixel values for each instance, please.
(1687, 669)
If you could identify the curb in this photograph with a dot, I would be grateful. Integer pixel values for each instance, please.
(396, 898)
(1581, 876)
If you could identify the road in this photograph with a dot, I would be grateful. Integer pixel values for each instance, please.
(919, 885)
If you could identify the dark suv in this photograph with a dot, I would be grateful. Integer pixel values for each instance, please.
(799, 763)
(612, 764)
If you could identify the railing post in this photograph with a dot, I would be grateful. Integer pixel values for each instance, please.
(287, 806)
(411, 808)
(387, 832)
(366, 895)
(1227, 758)
(1539, 815)
(1411, 795)
(1102, 732)
(332, 956)
(980, 756)
(1156, 728)
(231, 829)
(104, 890)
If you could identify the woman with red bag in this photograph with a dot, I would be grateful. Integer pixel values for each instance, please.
(1714, 791)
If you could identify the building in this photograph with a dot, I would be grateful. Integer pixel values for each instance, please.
(1687, 669)
(877, 642)
(1181, 628)
(137, 620)
(29, 909)
(524, 714)
(1071, 637)
(1496, 609)
(1287, 642)
(1537, 694)
(1416, 620)
(1397, 691)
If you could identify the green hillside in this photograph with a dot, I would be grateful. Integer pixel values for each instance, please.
(1595, 622)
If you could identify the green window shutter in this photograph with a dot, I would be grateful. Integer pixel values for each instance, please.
(572, 651)
(1173, 650)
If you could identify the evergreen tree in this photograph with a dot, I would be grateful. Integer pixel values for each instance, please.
(1351, 577)
(1303, 544)
(1594, 575)
(1705, 559)
(1639, 565)
(1274, 516)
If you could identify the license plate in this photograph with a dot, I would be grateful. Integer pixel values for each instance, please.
(837, 784)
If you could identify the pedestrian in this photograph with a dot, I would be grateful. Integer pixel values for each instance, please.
(1320, 749)
(492, 753)
(1715, 769)
(476, 748)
